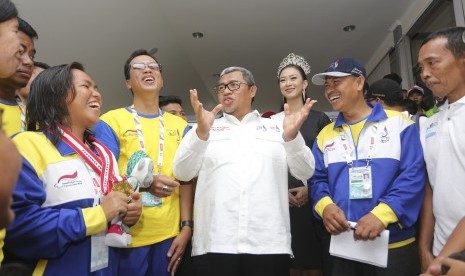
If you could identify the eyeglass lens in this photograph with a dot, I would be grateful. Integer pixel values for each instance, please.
(232, 86)
(143, 65)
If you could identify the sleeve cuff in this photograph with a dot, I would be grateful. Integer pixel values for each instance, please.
(296, 144)
(385, 214)
(95, 220)
(321, 205)
(196, 144)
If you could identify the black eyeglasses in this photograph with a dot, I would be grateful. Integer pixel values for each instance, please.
(143, 65)
(232, 86)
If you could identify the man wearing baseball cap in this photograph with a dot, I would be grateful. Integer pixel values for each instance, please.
(424, 99)
(368, 170)
(386, 92)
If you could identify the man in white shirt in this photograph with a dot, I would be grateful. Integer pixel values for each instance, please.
(442, 62)
(241, 160)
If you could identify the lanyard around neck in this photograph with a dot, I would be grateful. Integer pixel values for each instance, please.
(102, 166)
(22, 113)
(346, 147)
(140, 136)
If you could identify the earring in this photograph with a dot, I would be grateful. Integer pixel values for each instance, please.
(303, 95)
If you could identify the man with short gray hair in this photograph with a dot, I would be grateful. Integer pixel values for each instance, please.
(241, 160)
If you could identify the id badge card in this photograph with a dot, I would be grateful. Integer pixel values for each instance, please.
(360, 185)
(98, 252)
(149, 200)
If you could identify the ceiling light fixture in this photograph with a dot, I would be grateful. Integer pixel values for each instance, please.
(349, 28)
(197, 35)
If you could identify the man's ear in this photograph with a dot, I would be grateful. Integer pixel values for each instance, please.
(128, 84)
(462, 58)
(253, 91)
(360, 83)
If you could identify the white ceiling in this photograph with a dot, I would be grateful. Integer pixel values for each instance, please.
(256, 34)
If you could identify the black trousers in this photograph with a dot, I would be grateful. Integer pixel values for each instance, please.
(216, 264)
(402, 261)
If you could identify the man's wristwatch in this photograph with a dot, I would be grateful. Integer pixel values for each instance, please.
(189, 223)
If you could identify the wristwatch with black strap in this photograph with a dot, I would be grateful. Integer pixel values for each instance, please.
(189, 223)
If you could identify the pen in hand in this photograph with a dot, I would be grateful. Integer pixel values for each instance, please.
(353, 227)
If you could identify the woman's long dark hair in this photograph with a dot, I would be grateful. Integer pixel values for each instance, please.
(48, 99)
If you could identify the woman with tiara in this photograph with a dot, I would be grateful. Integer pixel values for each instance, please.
(305, 229)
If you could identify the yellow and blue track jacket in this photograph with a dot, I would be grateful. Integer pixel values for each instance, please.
(117, 131)
(11, 125)
(397, 167)
(54, 202)
(11, 117)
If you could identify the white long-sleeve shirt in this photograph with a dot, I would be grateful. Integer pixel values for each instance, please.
(241, 202)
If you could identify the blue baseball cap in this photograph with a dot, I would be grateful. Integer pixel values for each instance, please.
(341, 67)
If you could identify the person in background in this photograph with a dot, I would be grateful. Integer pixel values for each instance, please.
(306, 243)
(159, 239)
(424, 99)
(14, 110)
(387, 93)
(395, 77)
(10, 161)
(381, 144)
(23, 93)
(410, 106)
(241, 161)
(416, 93)
(398, 79)
(442, 62)
(172, 104)
(63, 199)
(9, 39)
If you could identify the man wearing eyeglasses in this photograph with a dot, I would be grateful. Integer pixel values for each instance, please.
(160, 237)
(241, 160)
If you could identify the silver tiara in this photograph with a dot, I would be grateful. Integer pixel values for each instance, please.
(293, 59)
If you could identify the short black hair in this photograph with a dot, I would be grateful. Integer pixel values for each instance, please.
(394, 76)
(8, 9)
(410, 106)
(136, 53)
(455, 42)
(42, 65)
(166, 100)
(27, 29)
